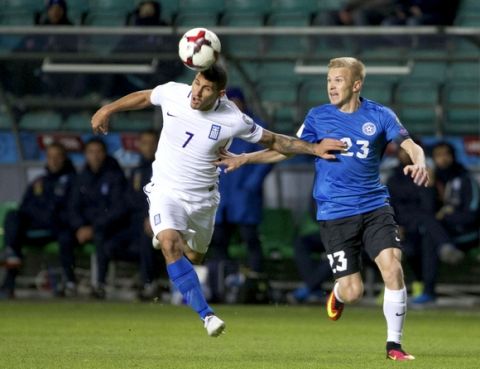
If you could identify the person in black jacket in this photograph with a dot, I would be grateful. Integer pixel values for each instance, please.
(460, 203)
(141, 231)
(42, 217)
(422, 235)
(98, 210)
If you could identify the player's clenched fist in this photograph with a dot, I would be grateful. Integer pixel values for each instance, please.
(326, 148)
(100, 121)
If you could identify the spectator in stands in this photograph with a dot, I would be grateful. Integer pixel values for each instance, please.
(460, 203)
(241, 204)
(358, 13)
(140, 225)
(42, 217)
(98, 210)
(421, 234)
(313, 269)
(28, 77)
(423, 12)
(147, 14)
(57, 14)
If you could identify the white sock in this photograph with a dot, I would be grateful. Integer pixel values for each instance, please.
(395, 309)
(335, 292)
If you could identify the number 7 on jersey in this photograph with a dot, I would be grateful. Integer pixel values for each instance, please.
(190, 135)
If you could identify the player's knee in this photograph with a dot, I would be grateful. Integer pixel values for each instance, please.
(171, 248)
(352, 293)
(393, 274)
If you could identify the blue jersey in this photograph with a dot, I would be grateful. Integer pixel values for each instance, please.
(350, 184)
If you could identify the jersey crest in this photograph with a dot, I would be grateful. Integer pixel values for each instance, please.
(369, 128)
(214, 132)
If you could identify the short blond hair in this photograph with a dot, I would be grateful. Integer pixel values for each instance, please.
(354, 65)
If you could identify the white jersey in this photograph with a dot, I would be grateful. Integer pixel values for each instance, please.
(190, 139)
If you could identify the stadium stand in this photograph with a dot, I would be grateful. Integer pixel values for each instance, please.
(435, 88)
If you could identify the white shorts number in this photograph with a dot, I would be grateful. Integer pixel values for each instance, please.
(337, 261)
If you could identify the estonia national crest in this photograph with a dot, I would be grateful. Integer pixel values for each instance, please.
(369, 128)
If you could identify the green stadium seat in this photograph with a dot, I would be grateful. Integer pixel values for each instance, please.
(243, 20)
(277, 92)
(467, 47)
(24, 5)
(169, 9)
(465, 71)
(196, 19)
(16, 18)
(277, 232)
(297, 46)
(469, 6)
(326, 5)
(41, 120)
(380, 92)
(462, 107)
(235, 77)
(242, 46)
(415, 93)
(245, 13)
(248, 6)
(186, 77)
(78, 122)
(105, 18)
(431, 71)
(5, 207)
(101, 44)
(307, 6)
(418, 120)
(285, 120)
(417, 106)
(132, 122)
(271, 71)
(111, 5)
(5, 121)
(210, 6)
(194, 13)
(314, 92)
(76, 16)
(470, 20)
(291, 13)
(289, 19)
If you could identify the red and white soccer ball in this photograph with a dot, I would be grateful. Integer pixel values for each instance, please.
(199, 48)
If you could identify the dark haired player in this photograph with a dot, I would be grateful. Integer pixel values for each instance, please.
(198, 121)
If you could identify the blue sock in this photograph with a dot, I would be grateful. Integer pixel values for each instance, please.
(183, 276)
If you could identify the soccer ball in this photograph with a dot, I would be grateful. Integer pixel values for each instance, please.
(199, 48)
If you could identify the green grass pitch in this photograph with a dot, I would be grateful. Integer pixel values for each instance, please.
(85, 335)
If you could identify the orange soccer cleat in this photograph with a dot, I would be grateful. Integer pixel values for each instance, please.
(334, 307)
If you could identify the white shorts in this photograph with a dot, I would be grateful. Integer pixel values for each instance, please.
(194, 219)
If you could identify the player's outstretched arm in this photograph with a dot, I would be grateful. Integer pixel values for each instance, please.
(280, 148)
(134, 101)
(418, 170)
(290, 145)
(230, 161)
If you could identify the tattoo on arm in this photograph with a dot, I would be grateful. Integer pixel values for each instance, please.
(285, 144)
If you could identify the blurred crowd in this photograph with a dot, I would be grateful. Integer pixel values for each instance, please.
(97, 205)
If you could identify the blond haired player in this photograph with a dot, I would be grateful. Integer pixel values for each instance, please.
(352, 205)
